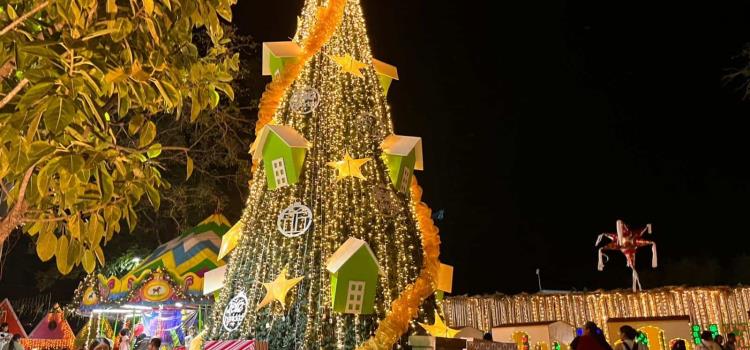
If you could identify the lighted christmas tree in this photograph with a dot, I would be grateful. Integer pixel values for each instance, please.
(336, 251)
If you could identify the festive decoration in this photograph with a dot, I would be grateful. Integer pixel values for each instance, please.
(366, 125)
(627, 241)
(342, 208)
(348, 64)
(444, 283)
(235, 345)
(229, 240)
(278, 289)
(8, 315)
(294, 220)
(402, 155)
(213, 280)
(173, 273)
(52, 332)
(354, 273)
(386, 73)
(97, 326)
(541, 334)
(235, 312)
(276, 55)
(655, 332)
(304, 100)
(283, 152)
(385, 203)
(439, 329)
(349, 167)
(705, 306)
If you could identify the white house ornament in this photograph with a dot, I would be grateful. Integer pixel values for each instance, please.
(304, 100)
(235, 312)
(294, 220)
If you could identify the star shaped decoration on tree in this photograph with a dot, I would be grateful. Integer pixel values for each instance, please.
(349, 167)
(278, 289)
(349, 64)
(439, 329)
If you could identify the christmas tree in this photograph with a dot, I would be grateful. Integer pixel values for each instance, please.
(336, 250)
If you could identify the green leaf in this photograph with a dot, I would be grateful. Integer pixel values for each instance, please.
(12, 13)
(39, 149)
(74, 226)
(148, 5)
(62, 256)
(154, 151)
(34, 94)
(71, 163)
(99, 254)
(75, 248)
(115, 76)
(164, 95)
(131, 218)
(153, 196)
(195, 109)
(147, 134)
(189, 167)
(106, 184)
(46, 245)
(227, 89)
(89, 261)
(98, 33)
(167, 3)
(214, 98)
(112, 6)
(135, 124)
(59, 114)
(152, 30)
(33, 127)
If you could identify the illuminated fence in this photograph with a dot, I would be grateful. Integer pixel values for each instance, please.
(722, 306)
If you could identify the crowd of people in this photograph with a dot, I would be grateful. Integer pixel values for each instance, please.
(593, 339)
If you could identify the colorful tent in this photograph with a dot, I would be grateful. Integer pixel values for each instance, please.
(173, 273)
(8, 315)
(52, 332)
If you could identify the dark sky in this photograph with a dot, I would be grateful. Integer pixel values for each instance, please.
(545, 121)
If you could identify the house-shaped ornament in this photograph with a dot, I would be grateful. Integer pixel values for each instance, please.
(283, 151)
(444, 282)
(354, 276)
(386, 73)
(278, 54)
(402, 155)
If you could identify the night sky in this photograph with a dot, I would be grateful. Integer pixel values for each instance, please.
(544, 122)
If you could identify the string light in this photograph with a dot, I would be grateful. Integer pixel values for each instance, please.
(724, 308)
(341, 209)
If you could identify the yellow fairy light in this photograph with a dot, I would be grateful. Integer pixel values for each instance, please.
(349, 65)
(278, 289)
(349, 167)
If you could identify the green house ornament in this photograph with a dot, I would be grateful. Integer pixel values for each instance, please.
(386, 74)
(354, 276)
(278, 54)
(402, 155)
(283, 151)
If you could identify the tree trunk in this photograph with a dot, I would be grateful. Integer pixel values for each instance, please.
(12, 220)
(16, 214)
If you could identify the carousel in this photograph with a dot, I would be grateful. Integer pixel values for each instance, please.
(162, 296)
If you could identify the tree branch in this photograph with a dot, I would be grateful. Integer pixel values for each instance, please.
(13, 219)
(61, 218)
(13, 92)
(25, 16)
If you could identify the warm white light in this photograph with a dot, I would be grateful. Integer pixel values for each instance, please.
(136, 307)
(136, 260)
(178, 304)
(111, 311)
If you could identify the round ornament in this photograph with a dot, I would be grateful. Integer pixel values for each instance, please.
(294, 220)
(235, 312)
(304, 100)
(384, 202)
(366, 124)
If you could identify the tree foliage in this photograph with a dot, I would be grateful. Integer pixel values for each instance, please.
(85, 84)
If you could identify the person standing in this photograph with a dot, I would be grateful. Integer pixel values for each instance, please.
(14, 343)
(707, 342)
(731, 343)
(679, 345)
(154, 344)
(124, 339)
(592, 339)
(627, 339)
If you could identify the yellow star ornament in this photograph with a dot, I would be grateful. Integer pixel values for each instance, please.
(349, 64)
(278, 289)
(349, 167)
(439, 329)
